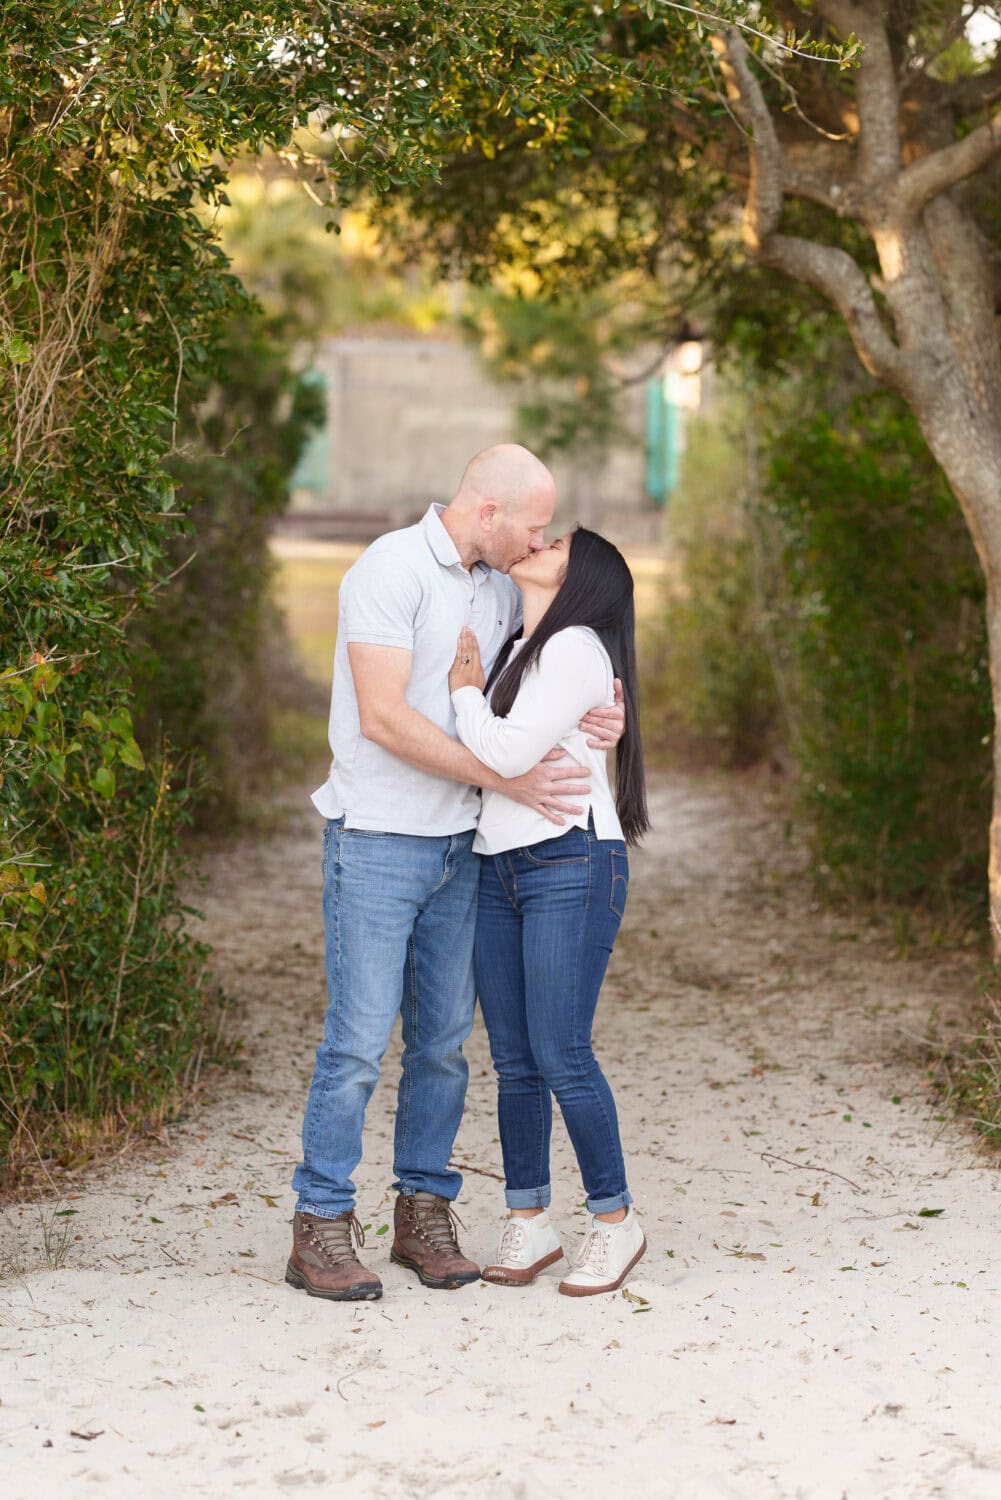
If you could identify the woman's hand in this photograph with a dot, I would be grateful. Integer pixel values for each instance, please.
(467, 669)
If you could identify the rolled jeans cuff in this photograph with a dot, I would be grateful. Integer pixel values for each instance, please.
(609, 1205)
(539, 1197)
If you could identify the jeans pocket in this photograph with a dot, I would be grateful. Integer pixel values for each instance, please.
(620, 881)
(570, 848)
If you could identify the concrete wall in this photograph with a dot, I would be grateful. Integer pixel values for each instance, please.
(404, 417)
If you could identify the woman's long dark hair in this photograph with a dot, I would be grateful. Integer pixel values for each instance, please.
(597, 592)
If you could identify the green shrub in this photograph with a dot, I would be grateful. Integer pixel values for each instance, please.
(709, 690)
(886, 638)
(91, 946)
(830, 612)
(205, 655)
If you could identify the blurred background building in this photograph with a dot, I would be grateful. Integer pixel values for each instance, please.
(404, 415)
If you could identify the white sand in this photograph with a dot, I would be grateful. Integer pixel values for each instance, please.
(805, 1332)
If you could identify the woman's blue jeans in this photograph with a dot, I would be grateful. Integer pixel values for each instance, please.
(546, 922)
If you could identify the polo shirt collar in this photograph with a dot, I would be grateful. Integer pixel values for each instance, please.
(441, 544)
(439, 541)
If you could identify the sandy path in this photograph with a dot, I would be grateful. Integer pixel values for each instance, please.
(806, 1333)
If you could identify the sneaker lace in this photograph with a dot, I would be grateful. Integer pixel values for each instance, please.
(436, 1220)
(512, 1240)
(332, 1237)
(594, 1251)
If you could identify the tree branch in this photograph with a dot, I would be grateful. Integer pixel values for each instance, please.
(875, 88)
(832, 271)
(966, 277)
(842, 281)
(930, 175)
(763, 208)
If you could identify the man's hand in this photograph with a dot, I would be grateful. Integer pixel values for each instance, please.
(605, 727)
(547, 786)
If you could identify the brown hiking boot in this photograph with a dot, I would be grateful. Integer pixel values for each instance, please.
(426, 1241)
(323, 1260)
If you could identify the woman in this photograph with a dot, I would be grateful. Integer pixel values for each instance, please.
(550, 907)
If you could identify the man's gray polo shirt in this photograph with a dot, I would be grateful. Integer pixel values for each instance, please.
(410, 589)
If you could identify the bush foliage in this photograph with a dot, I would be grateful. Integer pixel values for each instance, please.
(116, 120)
(203, 656)
(830, 610)
(886, 641)
(710, 691)
(101, 984)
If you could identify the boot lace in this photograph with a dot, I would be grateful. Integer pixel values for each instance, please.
(436, 1220)
(511, 1241)
(332, 1237)
(594, 1252)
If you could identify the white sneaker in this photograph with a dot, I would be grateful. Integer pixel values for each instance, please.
(527, 1247)
(607, 1255)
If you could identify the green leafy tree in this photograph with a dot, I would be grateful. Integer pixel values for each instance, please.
(117, 119)
(697, 143)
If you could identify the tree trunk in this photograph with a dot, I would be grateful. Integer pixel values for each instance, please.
(970, 457)
(932, 336)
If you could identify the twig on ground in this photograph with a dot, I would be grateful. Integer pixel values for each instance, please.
(464, 1166)
(806, 1166)
(350, 1376)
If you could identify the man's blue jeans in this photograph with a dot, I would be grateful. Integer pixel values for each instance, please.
(399, 916)
(546, 922)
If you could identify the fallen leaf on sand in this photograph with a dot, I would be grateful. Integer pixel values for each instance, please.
(378, 1424)
(88, 1437)
(930, 1213)
(271, 1201)
(633, 1297)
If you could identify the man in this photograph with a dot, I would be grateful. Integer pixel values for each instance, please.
(400, 877)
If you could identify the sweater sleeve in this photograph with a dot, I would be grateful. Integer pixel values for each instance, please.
(570, 677)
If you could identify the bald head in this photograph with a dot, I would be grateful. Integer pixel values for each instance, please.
(508, 474)
(505, 501)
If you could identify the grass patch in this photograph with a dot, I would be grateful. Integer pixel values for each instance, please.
(965, 1064)
(307, 577)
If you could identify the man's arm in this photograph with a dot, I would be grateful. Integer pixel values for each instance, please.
(381, 675)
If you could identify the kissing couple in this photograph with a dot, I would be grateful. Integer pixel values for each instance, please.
(474, 847)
